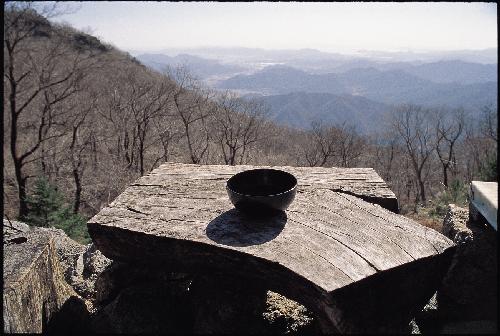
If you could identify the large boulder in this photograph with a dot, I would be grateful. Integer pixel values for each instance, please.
(34, 285)
(80, 264)
(49, 279)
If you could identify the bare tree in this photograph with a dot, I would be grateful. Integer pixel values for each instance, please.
(40, 75)
(80, 142)
(349, 145)
(191, 106)
(146, 102)
(489, 122)
(239, 123)
(449, 127)
(480, 143)
(327, 145)
(322, 141)
(413, 124)
(166, 133)
(386, 150)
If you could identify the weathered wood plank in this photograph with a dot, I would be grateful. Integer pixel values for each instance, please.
(325, 242)
(361, 182)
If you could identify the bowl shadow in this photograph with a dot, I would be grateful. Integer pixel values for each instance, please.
(239, 229)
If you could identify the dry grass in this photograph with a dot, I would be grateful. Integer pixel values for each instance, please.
(423, 218)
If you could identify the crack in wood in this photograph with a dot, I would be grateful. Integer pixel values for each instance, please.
(340, 242)
(320, 256)
(136, 211)
(371, 228)
(146, 185)
(403, 228)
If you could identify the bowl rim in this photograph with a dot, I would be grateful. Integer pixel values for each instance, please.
(259, 196)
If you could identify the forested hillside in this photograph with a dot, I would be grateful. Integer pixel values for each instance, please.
(301, 109)
(90, 119)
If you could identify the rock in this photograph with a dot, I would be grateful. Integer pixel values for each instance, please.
(287, 316)
(94, 262)
(470, 327)
(455, 224)
(34, 286)
(427, 321)
(79, 265)
(72, 318)
(469, 290)
(89, 264)
(414, 329)
(118, 276)
(69, 253)
(232, 306)
(224, 305)
(145, 308)
(13, 227)
(140, 298)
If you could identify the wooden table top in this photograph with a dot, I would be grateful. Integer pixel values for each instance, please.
(328, 237)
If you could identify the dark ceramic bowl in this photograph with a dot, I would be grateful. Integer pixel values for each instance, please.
(262, 190)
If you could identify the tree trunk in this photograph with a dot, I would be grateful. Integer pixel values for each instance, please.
(21, 181)
(422, 189)
(21, 188)
(445, 176)
(141, 132)
(78, 191)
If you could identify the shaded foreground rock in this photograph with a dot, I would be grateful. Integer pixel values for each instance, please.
(467, 300)
(34, 286)
(150, 299)
(149, 307)
(470, 289)
(231, 305)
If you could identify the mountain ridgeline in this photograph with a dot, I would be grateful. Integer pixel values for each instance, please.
(199, 66)
(303, 86)
(389, 87)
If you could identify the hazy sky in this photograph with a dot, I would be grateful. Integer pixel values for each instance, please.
(343, 27)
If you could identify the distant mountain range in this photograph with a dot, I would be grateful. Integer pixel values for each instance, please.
(299, 109)
(484, 56)
(301, 86)
(452, 71)
(389, 87)
(198, 66)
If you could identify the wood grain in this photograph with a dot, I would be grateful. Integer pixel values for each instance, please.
(180, 215)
